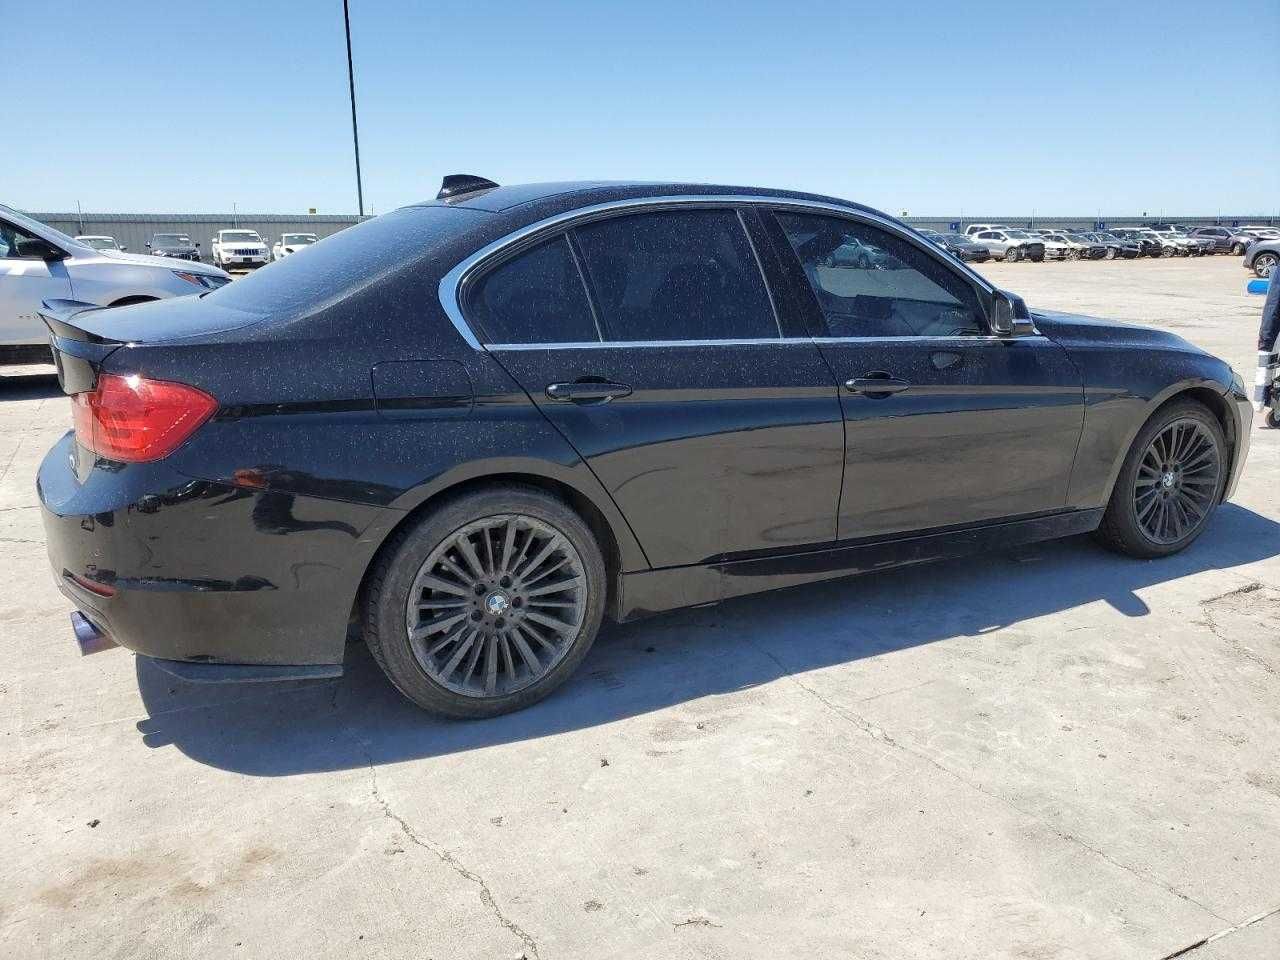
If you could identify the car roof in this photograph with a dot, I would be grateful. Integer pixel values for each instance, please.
(533, 201)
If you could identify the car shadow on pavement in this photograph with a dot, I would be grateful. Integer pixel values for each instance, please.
(360, 720)
(29, 386)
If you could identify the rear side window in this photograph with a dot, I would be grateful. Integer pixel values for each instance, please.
(869, 283)
(676, 275)
(535, 297)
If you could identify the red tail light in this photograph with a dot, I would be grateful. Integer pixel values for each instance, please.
(135, 419)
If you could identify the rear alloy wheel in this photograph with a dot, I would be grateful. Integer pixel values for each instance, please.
(1238, 249)
(1264, 264)
(1012, 255)
(1169, 485)
(1110, 254)
(489, 604)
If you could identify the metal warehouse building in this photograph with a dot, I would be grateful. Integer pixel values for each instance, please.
(134, 230)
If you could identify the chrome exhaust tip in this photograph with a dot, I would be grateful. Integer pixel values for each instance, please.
(88, 637)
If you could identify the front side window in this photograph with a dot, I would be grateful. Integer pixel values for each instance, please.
(536, 296)
(676, 275)
(10, 236)
(870, 283)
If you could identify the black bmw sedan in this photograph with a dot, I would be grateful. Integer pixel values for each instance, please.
(475, 427)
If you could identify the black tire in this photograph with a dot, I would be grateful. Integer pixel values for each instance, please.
(1012, 255)
(387, 594)
(1121, 530)
(1273, 418)
(1264, 264)
(1238, 249)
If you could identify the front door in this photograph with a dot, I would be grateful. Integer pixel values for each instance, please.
(650, 341)
(25, 283)
(946, 425)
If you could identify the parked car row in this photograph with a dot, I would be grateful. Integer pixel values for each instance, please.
(980, 242)
(39, 263)
(242, 249)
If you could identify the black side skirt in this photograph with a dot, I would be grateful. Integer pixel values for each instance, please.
(654, 591)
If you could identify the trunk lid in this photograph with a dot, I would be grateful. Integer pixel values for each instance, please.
(78, 348)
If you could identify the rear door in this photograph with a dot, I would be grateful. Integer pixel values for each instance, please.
(651, 341)
(25, 283)
(946, 425)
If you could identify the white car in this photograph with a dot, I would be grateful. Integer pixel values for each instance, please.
(973, 229)
(291, 243)
(106, 244)
(1182, 245)
(243, 249)
(38, 263)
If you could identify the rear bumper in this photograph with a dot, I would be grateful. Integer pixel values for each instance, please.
(189, 570)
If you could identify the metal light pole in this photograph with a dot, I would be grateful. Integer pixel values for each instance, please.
(351, 82)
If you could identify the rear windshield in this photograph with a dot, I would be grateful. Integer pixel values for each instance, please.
(346, 261)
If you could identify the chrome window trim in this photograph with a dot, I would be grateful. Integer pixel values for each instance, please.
(451, 282)
(612, 344)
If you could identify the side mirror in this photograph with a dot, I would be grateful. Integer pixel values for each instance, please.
(34, 248)
(1009, 316)
(197, 243)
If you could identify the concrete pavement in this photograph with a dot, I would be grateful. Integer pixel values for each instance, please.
(1053, 752)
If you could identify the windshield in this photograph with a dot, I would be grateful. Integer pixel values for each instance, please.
(40, 229)
(1022, 235)
(297, 239)
(240, 236)
(170, 240)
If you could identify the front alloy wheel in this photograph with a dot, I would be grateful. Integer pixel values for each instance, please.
(1177, 481)
(1169, 484)
(1264, 264)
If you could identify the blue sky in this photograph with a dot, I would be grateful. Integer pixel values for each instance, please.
(931, 108)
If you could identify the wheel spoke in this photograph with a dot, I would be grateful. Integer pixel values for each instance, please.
(508, 543)
(424, 630)
(531, 660)
(477, 648)
(557, 625)
(538, 638)
(557, 587)
(468, 552)
(537, 561)
(491, 666)
(461, 651)
(547, 572)
(442, 586)
(456, 570)
(442, 604)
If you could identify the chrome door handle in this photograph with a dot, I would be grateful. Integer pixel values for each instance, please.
(873, 386)
(586, 392)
